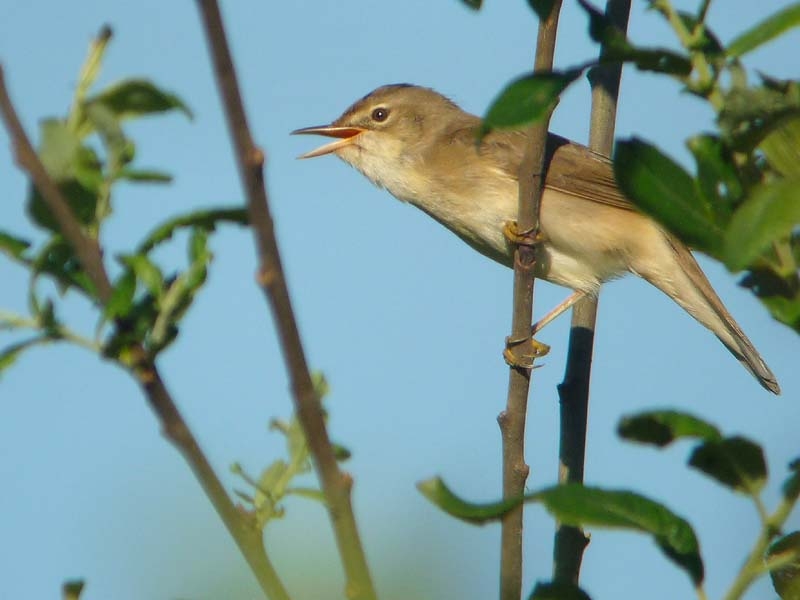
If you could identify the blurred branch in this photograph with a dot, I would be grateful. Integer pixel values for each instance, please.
(239, 524)
(335, 484)
(570, 542)
(521, 348)
(755, 565)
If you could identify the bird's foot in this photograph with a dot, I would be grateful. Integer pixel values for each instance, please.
(528, 237)
(520, 353)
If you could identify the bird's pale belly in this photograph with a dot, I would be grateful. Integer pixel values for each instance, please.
(575, 252)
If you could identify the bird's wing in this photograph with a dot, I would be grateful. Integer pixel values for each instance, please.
(570, 167)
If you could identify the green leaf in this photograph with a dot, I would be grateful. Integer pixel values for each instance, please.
(310, 493)
(528, 99)
(244, 496)
(781, 295)
(662, 427)
(144, 176)
(121, 301)
(791, 487)
(782, 148)
(68, 164)
(662, 189)
(205, 219)
(119, 148)
(58, 149)
(181, 292)
(717, 177)
(766, 30)
(130, 331)
(297, 447)
(473, 4)
(436, 491)
(271, 478)
(10, 354)
(341, 453)
(558, 590)
(58, 260)
(138, 97)
(198, 247)
(91, 66)
(735, 462)
(576, 505)
(48, 321)
(147, 272)
(706, 41)
(769, 214)
(13, 246)
(320, 383)
(72, 590)
(542, 8)
(749, 114)
(88, 169)
(617, 48)
(268, 491)
(81, 200)
(786, 578)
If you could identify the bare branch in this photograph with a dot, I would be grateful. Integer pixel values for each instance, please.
(336, 485)
(512, 419)
(570, 542)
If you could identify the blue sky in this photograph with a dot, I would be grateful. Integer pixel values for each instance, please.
(406, 321)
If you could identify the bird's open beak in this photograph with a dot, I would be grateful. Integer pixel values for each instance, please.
(347, 136)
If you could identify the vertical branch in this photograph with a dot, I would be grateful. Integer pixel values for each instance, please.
(336, 485)
(521, 348)
(570, 542)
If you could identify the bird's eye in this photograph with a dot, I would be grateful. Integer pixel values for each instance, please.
(380, 114)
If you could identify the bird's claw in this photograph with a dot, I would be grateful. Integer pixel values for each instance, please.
(520, 353)
(528, 237)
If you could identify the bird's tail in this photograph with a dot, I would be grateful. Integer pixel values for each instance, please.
(688, 286)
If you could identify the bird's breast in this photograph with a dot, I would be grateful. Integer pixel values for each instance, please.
(577, 252)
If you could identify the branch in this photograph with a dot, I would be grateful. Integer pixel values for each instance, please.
(241, 525)
(512, 419)
(755, 566)
(336, 485)
(570, 542)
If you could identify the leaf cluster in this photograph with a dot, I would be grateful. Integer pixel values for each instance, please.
(732, 461)
(87, 153)
(276, 482)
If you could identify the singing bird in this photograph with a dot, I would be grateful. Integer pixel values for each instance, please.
(422, 148)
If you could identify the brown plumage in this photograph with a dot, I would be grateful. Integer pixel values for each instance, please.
(422, 148)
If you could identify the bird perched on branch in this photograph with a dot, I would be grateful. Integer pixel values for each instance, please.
(422, 148)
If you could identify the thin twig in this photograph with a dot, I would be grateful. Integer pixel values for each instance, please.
(754, 565)
(10, 321)
(240, 524)
(570, 542)
(512, 419)
(335, 484)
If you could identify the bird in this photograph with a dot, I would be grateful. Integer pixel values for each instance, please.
(424, 149)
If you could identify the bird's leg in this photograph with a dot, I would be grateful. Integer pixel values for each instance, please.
(520, 353)
(531, 237)
(571, 299)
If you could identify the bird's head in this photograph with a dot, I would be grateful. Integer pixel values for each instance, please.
(387, 131)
